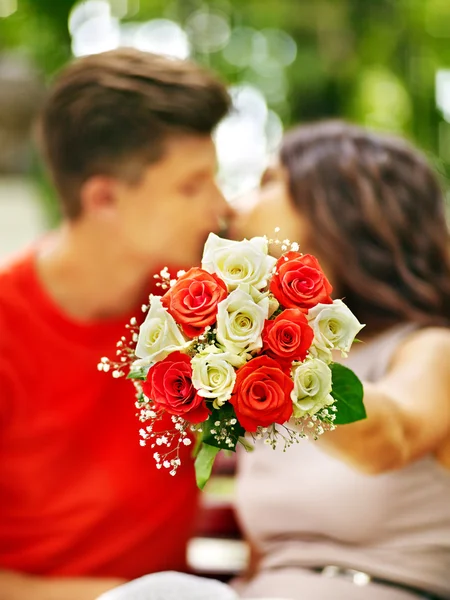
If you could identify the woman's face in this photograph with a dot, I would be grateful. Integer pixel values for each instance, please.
(267, 208)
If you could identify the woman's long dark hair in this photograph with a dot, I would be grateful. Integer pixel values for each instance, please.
(376, 217)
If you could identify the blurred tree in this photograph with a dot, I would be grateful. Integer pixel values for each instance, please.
(372, 62)
(39, 30)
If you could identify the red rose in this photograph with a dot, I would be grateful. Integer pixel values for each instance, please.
(289, 336)
(299, 282)
(169, 385)
(262, 394)
(193, 300)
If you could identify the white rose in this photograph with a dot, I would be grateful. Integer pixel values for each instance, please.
(240, 321)
(213, 374)
(159, 335)
(312, 387)
(237, 263)
(274, 305)
(335, 328)
(321, 352)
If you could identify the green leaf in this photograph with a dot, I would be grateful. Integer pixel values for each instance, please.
(204, 464)
(249, 447)
(197, 444)
(211, 431)
(348, 393)
(140, 374)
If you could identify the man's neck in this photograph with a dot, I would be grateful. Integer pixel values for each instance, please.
(89, 277)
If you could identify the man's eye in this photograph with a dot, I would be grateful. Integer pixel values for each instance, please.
(190, 189)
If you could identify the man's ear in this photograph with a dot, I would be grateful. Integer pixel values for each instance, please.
(98, 196)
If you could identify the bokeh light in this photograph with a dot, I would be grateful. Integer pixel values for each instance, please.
(240, 48)
(245, 141)
(383, 100)
(93, 28)
(84, 11)
(280, 46)
(274, 132)
(443, 92)
(7, 8)
(162, 36)
(249, 102)
(120, 8)
(269, 49)
(208, 31)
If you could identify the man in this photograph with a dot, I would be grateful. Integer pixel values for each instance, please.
(127, 139)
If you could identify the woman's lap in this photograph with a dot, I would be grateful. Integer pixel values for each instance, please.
(298, 584)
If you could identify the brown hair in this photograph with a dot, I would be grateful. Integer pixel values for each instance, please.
(110, 111)
(377, 218)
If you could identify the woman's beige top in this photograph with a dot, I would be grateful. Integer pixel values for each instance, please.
(303, 508)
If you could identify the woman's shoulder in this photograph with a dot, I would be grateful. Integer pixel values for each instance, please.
(427, 338)
(431, 344)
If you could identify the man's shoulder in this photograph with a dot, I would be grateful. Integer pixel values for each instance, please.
(15, 276)
(13, 263)
(13, 272)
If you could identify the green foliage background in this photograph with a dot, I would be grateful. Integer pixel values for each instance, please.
(372, 61)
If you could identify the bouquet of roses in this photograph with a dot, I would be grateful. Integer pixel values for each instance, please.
(238, 350)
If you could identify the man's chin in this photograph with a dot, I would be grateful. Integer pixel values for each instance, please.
(231, 233)
(225, 233)
(190, 259)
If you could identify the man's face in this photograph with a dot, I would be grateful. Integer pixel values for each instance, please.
(166, 217)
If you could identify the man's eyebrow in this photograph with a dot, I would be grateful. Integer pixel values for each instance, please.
(196, 175)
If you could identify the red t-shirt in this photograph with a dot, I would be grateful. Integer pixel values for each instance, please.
(78, 494)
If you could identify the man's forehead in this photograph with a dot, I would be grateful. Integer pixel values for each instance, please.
(190, 152)
(176, 144)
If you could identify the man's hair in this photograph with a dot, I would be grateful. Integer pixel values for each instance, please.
(111, 113)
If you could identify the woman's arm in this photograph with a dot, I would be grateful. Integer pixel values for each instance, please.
(17, 586)
(408, 411)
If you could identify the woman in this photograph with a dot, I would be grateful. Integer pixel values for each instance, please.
(364, 513)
